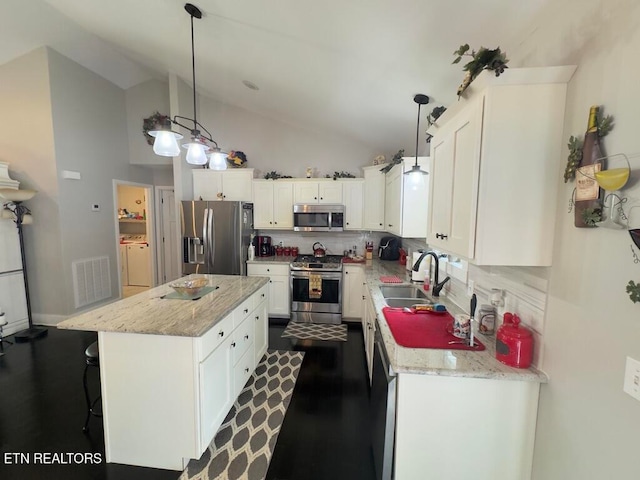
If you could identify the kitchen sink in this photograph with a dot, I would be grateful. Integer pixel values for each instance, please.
(406, 302)
(399, 296)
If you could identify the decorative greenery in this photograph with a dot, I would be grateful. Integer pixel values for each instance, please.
(149, 123)
(397, 158)
(337, 175)
(633, 289)
(273, 175)
(435, 114)
(236, 159)
(605, 125)
(591, 216)
(483, 59)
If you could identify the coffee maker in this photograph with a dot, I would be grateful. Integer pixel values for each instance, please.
(263, 246)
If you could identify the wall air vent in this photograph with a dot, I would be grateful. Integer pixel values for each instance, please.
(91, 280)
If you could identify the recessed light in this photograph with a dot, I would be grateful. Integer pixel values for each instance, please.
(250, 85)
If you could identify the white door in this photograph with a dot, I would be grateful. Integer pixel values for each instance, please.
(374, 197)
(282, 204)
(169, 263)
(305, 192)
(279, 297)
(263, 204)
(352, 292)
(352, 193)
(330, 192)
(207, 184)
(441, 185)
(393, 201)
(236, 185)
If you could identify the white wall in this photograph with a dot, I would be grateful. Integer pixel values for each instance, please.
(27, 144)
(588, 428)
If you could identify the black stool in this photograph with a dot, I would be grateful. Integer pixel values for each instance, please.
(92, 360)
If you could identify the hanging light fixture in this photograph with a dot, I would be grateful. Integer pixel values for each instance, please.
(416, 175)
(166, 140)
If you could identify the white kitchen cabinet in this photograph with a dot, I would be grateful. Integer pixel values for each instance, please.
(374, 198)
(273, 204)
(168, 412)
(405, 207)
(279, 288)
(313, 191)
(352, 195)
(230, 185)
(368, 329)
(494, 168)
(138, 265)
(353, 280)
(464, 428)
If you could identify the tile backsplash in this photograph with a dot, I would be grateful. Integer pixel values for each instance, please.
(335, 243)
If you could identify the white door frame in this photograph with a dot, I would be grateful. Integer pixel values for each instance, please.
(161, 233)
(149, 193)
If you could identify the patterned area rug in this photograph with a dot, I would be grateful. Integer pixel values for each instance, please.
(243, 446)
(316, 331)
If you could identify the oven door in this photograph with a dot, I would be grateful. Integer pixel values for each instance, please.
(328, 300)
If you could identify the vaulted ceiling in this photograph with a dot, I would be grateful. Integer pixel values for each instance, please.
(346, 66)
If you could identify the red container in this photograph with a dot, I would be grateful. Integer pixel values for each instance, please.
(294, 251)
(286, 251)
(278, 250)
(514, 343)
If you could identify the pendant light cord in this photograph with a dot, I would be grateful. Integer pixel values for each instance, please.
(193, 74)
(418, 133)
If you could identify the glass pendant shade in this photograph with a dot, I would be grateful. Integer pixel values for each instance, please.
(196, 152)
(166, 143)
(218, 161)
(415, 177)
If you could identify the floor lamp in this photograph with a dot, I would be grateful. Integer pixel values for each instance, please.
(13, 199)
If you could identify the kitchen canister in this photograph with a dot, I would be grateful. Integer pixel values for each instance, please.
(487, 319)
(514, 343)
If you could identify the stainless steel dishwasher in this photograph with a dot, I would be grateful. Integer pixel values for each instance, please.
(383, 411)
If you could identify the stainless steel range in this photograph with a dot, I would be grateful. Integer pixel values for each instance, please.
(316, 292)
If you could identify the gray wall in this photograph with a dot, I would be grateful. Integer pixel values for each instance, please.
(588, 428)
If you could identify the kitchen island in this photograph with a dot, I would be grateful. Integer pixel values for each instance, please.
(170, 369)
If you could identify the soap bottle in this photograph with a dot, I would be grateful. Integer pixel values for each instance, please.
(252, 250)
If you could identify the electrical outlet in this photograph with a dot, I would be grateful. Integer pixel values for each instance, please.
(632, 378)
(470, 286)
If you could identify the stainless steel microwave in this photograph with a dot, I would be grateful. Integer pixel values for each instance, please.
(318, 217)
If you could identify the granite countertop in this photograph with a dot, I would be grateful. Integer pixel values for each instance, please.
(426, 361)
(148, 313)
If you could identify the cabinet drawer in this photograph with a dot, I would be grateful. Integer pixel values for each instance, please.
(267, 270)
(260, 296)
(214, 337)
(243, 370)
(242, 311)
(242, 339)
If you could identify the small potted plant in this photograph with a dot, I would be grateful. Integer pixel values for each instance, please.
(483, 59)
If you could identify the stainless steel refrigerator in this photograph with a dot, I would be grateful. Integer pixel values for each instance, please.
(215, 236)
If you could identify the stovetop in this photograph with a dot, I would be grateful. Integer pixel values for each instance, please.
(309, 262)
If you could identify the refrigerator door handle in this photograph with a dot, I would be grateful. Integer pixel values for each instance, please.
(205, 235)
(212, 241)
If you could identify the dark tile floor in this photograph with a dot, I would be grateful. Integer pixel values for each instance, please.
(42, 410)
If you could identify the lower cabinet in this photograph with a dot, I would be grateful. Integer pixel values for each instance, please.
(279, 304)
(353, 286)
(368, 330)
(164, 398)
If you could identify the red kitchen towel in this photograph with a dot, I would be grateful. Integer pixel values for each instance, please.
(424, 330)
(390, 279)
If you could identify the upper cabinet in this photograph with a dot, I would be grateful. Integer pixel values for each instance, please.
(496, 157)
(328, 191)
(352, 194)
(374, 198)
(405, 206)
(273, 204)
(229, 185)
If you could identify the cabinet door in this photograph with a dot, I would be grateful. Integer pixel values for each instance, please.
(374, 199)
(305, 192)
(352, 292)
(261, 331)
(330, 192)
(216, 390)
(263, 204)
(207, 184)
(279, 296)
(455, 183)
(236, 185)
(369, 335)
(393, 201)
(282, 205)
(353, 203)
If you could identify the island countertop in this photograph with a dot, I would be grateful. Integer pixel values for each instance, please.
(148, 313)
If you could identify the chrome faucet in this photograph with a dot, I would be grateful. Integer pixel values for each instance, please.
(437, 287)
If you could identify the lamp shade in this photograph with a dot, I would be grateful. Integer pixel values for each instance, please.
(415, 178)
(166, 143)
(196, 152)
(218, 161)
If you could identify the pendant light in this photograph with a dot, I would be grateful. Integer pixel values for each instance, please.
(166, 140)
(416, 175)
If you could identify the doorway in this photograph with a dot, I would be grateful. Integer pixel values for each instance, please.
(168, 251)
(135, 237)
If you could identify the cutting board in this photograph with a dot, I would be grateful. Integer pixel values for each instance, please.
(424, 330)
